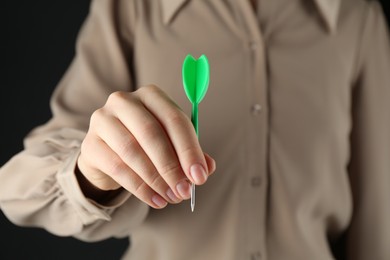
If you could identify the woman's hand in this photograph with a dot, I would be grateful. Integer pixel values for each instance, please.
(143, 142)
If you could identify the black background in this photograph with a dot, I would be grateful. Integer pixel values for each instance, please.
(37, 44)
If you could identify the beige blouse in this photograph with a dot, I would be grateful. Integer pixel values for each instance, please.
(297, 118)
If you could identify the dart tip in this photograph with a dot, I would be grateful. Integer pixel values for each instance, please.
(192, 197)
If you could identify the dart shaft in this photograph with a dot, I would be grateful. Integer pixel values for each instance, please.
(194, 119)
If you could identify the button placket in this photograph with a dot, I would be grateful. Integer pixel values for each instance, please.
(255, 195)
(256, 109)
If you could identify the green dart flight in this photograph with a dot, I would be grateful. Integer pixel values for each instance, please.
(196, 76)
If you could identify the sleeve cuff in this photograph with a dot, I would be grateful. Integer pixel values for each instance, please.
(88, 210)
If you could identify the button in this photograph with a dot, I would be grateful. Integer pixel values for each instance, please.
(256, 256)
(256, 109)
(256, 181)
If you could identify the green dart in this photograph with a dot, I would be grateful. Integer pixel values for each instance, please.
(196, 76)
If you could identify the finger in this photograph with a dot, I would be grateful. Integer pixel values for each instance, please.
(108, 162)
(124, 144)
(153, 140)
(180, 131)
(211, 164)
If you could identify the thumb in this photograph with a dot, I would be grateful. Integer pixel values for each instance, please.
(211, 164)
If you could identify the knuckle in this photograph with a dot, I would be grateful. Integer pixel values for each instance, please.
(145, 90)
(150, 130)
(128, 146)
(192, 151)
(176, 116)
(139, 187)
(172, 169)
(117, 167)
(155, 179)
(152, 87)
(117, 96)
(97, 115)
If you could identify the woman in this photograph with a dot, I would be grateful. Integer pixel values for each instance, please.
(296, 117)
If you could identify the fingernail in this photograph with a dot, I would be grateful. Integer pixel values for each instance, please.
(172, 196)
(183, 188)
(198, 173)
(158, 201)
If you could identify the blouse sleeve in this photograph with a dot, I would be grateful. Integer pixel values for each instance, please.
(369, 233)
(38, 186)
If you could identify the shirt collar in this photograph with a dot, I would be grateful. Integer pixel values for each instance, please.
(170, 8)
(329, 10)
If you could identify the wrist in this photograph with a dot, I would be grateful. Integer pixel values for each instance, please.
(92, 192)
